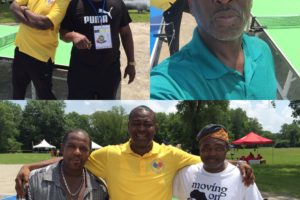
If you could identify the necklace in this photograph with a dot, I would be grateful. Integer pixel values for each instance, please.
(66, 184)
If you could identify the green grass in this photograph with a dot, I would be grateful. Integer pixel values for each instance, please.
(22, 158)
(139, 17)
(278, 179)
(280, 156)
(281, 174)
(7, 17)
(5, 14)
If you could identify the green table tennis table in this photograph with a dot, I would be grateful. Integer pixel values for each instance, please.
(284, 39)
(7, 47)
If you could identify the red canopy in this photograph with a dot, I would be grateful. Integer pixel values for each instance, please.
(252, 138)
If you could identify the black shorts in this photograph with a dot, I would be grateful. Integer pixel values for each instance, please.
(93, 82)
(25, 69)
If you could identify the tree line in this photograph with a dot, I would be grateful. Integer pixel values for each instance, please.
(20, 129)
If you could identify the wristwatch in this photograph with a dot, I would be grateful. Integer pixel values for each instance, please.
(132, 63)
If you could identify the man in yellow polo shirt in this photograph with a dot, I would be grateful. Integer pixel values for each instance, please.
(36, 44)
(140, 169)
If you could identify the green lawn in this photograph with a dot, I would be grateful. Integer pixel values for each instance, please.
(281, 174)
(273, 156)
(22, 158)
(139, 17)
(5, 15)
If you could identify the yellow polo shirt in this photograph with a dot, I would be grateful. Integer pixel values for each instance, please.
(162, 4)
(41, 44)
(130, 176)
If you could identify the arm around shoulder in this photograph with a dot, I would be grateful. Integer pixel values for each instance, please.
(23, 175)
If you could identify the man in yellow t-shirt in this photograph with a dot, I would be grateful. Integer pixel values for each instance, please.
(140, 168)
(36, 44)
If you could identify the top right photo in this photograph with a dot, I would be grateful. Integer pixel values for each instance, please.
(225, 49)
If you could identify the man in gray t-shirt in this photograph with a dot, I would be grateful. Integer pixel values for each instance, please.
(68, 179)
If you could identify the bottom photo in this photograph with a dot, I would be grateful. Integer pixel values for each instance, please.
(149, 150)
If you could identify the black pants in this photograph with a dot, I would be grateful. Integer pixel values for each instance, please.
(173, 17)
(93, 82)
(25, 69)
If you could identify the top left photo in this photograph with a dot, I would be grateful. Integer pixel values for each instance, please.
(79, 49)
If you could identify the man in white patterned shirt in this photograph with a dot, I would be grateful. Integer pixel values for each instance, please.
(214, 178)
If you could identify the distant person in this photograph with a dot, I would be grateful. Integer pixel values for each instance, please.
(94, 28)
(139, 169)
(220, 62)
(250, 156)
(36, 43)
(53, 152)
(242, 158)
(172, 13)
(259, 157)
(215, 178)
(68, 179)
(58, 153)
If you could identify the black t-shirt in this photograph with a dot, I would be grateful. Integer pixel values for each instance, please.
(81, 17)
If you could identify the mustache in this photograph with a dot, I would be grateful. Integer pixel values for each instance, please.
(227, 8)
(211, 157)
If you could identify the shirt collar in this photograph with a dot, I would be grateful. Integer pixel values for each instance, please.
(211, 66)
(127, 149)
(53, 175)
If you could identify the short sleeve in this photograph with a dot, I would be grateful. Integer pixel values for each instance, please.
(125, 18)
(252, 193)
(96, 163)
(183, 159)
(67, 23)
(58, 12)
(22, 2)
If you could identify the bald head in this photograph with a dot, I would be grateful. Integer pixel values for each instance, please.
(76, 131)
(140, 108)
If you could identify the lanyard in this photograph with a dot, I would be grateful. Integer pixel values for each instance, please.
(95, 10)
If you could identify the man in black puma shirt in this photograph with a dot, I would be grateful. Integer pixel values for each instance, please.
(94, 27)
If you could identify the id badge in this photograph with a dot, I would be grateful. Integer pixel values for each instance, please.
(102, 37)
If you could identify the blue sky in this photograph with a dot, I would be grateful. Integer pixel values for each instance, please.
(270, 118)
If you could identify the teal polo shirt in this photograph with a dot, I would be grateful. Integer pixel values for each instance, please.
(194, 73)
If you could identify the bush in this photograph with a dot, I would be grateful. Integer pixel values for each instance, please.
(282, 144)
(297, 144)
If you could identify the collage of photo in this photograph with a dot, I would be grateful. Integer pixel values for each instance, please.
(149, 100)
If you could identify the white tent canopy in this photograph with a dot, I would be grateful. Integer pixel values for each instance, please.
(95, 145)
(44, 144)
